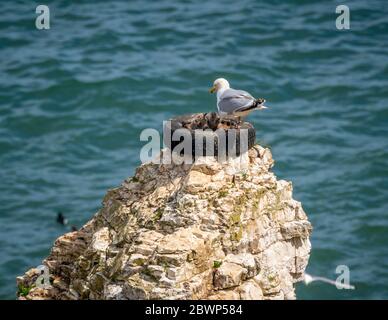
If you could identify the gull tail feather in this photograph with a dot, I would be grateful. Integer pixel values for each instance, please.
(257, 104)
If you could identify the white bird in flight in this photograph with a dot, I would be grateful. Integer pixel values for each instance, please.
(234, 102)
(309, 278)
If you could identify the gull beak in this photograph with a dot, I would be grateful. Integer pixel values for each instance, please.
(263, 107)
(212, 89)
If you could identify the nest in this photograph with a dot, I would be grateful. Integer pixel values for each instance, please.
(211, 120)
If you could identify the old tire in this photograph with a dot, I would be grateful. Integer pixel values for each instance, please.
(176, 124)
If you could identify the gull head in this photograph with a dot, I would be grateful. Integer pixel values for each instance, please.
(308, 279)
(219, 84)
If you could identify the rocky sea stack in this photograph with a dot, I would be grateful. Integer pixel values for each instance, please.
(208, 230)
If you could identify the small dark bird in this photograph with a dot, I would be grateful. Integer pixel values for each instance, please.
(213, 120)
(74, 228)
(61, 218)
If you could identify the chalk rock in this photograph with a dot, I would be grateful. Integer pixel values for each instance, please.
(209, 230)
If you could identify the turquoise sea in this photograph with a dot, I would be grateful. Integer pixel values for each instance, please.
(74, 99)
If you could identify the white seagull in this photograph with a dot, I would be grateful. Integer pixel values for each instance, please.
(234, 102)
(309, 278)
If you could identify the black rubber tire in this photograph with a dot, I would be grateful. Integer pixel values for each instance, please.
(177, 123)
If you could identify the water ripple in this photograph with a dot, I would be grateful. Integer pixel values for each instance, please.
(74, 99)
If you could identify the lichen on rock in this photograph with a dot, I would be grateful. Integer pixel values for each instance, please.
(209, 230)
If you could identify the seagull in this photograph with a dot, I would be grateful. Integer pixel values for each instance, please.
(308, 279)
(234, 102)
